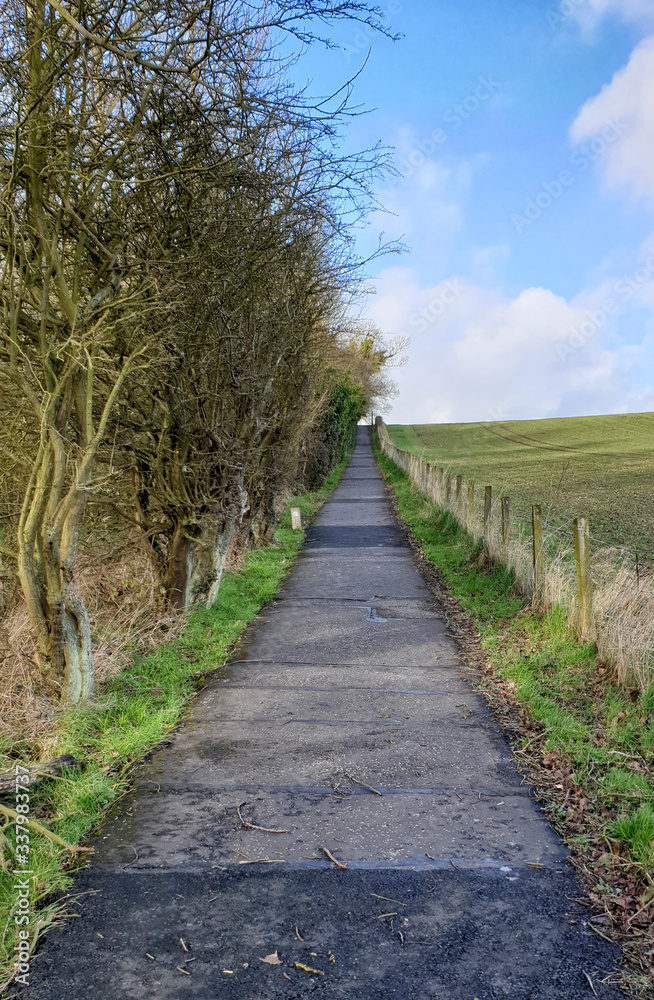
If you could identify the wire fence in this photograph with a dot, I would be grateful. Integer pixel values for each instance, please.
(607, 590)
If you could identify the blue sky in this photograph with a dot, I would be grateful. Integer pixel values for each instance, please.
(524, 135)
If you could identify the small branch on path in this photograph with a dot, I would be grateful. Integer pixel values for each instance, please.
(363, 784)
(332, 858)
(590, 982)
(253, 826)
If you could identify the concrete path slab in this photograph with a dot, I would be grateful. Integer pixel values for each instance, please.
(454, 885)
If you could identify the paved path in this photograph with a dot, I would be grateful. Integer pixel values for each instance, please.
(349, 674)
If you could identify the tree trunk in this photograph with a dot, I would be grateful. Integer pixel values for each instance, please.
(49, 527)
(196, 558)
(72, 654)
(177, 570)
(57, 615)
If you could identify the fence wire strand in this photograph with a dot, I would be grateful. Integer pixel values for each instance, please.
(621, 579)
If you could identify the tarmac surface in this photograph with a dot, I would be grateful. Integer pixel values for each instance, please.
(347, 686)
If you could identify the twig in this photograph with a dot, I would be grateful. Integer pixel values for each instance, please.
(253, 826)
(38, 772)
(136, 857)
(307, 968)
(637, 914)
(387, 899)
(593, 928)
(332, 858)
(74, 849)
(264, 861)
(590, 981)
(363, 784)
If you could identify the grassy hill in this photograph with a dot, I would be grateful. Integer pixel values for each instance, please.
(598, 467)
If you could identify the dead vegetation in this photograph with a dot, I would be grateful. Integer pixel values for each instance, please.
(128, 616)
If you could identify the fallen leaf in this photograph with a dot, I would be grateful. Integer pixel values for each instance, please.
(272, 959)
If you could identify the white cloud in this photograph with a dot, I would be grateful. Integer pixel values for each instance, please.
(485, 262)
(478, 356)
(426, 190)
(589, 13)
(628, 101)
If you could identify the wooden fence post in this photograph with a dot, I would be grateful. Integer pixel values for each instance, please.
(488, 508)
(584, 581)
(457, 496)
(448, 487)
(470, 516)
(506, 529)
(430, 482)
(441, 486)
(537, 552)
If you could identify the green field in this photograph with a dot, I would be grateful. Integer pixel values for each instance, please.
(598, 467)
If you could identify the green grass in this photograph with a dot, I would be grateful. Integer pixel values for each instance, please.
(605, 734)
(597, 467)
(131, 714)
(638, 830)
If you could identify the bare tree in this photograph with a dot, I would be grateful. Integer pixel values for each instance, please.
(135, 139)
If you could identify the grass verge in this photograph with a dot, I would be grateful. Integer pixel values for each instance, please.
(587, 743)
(131, 714)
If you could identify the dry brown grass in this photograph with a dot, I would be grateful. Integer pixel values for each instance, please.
(624, 618)
(120, 589)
